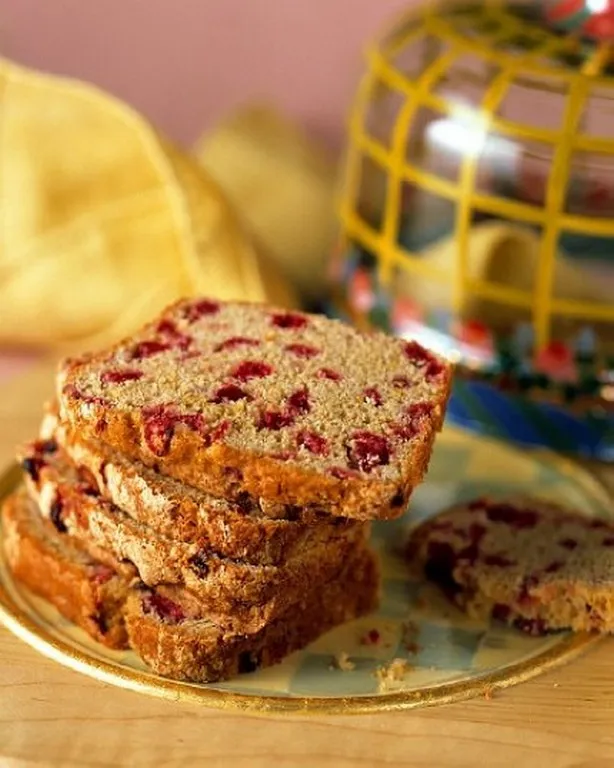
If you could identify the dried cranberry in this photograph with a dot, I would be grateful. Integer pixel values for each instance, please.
(220, 430)
(608, 541)
(328, 373)
(476, 532)
(497, 560)
(236, 341)
(167, 327)
(401, 382)
(421, 357)
(120, 376)
(55, 515)
(199, 564)
(198, 309)
(159, 423)
(420, 410)
(533, 627)
(477, 504)
(251, 369)
(568, 543)
(288, 320)
(163, 608)
(149, 348)
(313, 442)
(230, 393)
(367, 451)
(171, 334)
(510, 515)
(372, 395)
(275, 420)
(302, 350)
(412, 420)
(554, 567)
(32, 465)
(298, 402)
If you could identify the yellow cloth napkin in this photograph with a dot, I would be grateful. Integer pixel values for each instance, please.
(103, 222)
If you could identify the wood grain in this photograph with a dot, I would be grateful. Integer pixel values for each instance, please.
(51, 716)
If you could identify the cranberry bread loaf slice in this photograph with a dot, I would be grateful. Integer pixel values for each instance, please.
(527, 562)
(178, 646)
(234, 593)
(247, 529)
(86, 591)
(243, 398)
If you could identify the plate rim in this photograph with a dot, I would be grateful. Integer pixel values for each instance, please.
(41, 639)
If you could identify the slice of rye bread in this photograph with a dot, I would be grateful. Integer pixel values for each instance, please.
(528, 562)
(86, 591)
(247, 529)
(235, 594)
(196, 650)
(293, 408)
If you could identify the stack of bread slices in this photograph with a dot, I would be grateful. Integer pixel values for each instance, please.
(202, 492)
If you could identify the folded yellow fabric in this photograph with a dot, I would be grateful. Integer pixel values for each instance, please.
(103, 222)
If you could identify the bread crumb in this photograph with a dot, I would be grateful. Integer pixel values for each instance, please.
(392, 673)
(343, 662)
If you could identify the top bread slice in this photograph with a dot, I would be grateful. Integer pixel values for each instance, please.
(248, 529)
(243, 398)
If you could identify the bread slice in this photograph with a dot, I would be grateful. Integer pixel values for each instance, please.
(198, 651)
(166, 627)
(247, 529)
(243, 398)
(84, 590)
(524, 561)
(233, 593)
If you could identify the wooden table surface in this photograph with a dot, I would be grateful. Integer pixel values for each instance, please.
(50, 715)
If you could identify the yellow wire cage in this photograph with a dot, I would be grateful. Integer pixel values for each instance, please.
(515, 50)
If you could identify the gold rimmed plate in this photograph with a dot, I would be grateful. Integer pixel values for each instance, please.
(444, 655)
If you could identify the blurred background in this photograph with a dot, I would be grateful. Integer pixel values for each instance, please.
(443, 171)
(185, 63)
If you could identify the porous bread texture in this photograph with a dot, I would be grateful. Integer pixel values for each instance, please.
(247, 529)
(232, 593)
(243, 398)
(528, 562)
(85, 591)
(164, 628)
(198, 651)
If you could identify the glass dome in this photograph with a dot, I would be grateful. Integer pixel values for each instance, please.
(478, 213)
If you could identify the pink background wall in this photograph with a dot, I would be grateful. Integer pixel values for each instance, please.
(185, 62)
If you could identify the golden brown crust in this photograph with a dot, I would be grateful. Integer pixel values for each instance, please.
(198, 651)
(224, 467)
(226, 472)
(178, 511)
(54, 567)
(235, 594)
